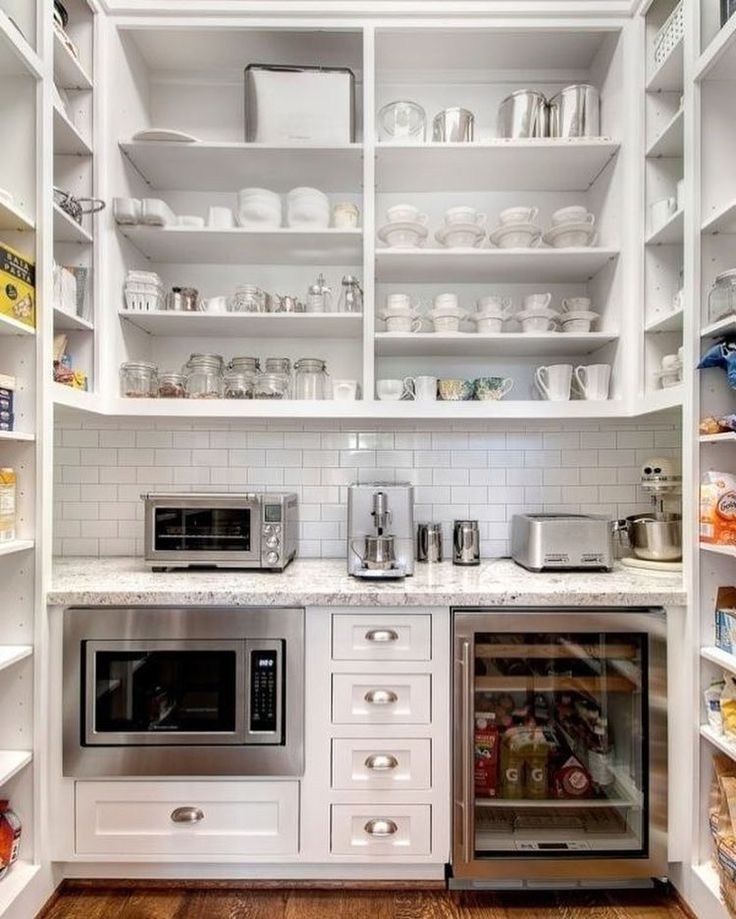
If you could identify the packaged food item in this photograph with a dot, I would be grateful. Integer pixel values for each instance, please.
(718, 509)
(712, 697)
(512, 762)
(486, 755)
(726, 619)
(710, 425)
(536, 773)
(17, 286)
(728, 704)
(572, 780)
(7, 504)
(10, 832)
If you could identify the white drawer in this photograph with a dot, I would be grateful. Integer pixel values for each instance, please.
(381, 637)
(382, 698)
(358, 829)
(381, 763)
(228, 818)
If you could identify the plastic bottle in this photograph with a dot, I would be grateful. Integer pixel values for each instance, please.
(513, 749)
(600, 757)
(537, 766)
(7, 504)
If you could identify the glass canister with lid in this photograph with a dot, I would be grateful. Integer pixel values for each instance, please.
(204, 376)
(311, 380)
(351, 296)
(138, 380)
(275, 380)
(171, 385)
(722, 296)
(248, 299)
(238, 384)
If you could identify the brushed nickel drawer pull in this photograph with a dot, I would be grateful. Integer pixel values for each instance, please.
(380, 827)
(187, 815)
(381, 636)
(381, 697)
(381, 762)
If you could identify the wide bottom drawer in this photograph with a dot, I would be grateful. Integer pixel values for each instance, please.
(187, 818)
(359, 829)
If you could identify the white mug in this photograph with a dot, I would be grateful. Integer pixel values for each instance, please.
(403, 323)
(423, 389)
(535, 302)
(345, 215)
(593, 381)
(390, 390)
(490, 324)
(513, 215)
(446, 323)
(446, 300)
(554, 382)
(661, 211)
(344, 390)
(398, 303)
(220, 218)
(500, 305)
(405, 213)
(576, 303)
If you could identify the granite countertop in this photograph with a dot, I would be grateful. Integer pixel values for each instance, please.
(324, 582)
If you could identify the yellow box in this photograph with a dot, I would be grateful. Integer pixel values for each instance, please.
(17, 286)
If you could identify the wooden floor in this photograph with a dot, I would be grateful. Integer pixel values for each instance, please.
(338, 904)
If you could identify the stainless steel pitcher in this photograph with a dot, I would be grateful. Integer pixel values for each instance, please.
(575, 112)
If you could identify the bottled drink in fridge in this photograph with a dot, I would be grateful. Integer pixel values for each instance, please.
(513, 749)
(600, 757)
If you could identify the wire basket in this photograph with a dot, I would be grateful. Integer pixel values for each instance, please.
(669, 35)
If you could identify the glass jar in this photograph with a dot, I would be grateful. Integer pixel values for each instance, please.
(138, 380)
(204, 376)
(722, 296)
(245, 365)
(311, 380)
(351, 295)
(248, 299)
(271, 386)
(171, 385)
(239, 385)
(319, 296)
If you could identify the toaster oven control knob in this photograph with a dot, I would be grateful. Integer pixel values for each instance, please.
(272, 542)
(272, 558)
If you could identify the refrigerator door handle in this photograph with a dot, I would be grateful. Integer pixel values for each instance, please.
(466, 690)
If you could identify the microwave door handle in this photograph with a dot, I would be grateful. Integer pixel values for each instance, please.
(466, 740)
(242, 689)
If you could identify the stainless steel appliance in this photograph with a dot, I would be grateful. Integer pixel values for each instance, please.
(230, 530)
(575, 112)
(429, 542)
(655, 538)
(523, 114)
(380, 530)
(466, 543)
(560, 747)
(183, 691)
(549, 542)
(453, 125)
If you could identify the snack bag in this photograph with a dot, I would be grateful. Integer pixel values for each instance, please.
(728, 704)
(718, 509)
(486, 755)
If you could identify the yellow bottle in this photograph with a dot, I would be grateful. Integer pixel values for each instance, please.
(7, 504)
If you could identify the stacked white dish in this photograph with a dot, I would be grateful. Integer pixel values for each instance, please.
(144, 291)
(491, 314)
(536, 316)
(259, 208)
(447, 314)
(670, 373)
(576, 315)
(463, 228)
(400, 314)
(516, 229)
(307, 208)
(156, 213)
(406, 227)
(572, 227)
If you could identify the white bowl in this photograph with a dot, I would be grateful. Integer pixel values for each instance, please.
(306, 193)
(439, 312)
(308, 215)
(260, 196)
(537, 320)
(517, 236)
(259, 216)
(569, 236)
(402, 235)
(488, 323)
(577, 320)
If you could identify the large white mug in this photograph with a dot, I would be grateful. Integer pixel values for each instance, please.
(660, 212)
(220, 218)
(554, 382)
(536, 302)
(513, 215)
(390, 390)
(593, 381)
(403, 323)
(423, 389)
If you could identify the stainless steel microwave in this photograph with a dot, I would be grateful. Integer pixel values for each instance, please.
(228, 530)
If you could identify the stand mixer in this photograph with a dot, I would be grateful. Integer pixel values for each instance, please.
(655, 537)
(380, 530)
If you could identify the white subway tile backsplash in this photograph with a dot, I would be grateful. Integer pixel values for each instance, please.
(484, 471)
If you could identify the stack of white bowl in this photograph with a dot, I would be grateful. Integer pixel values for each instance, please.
(400, 314)
(463, 228)
(536, 316)
(516, 229)
(447, 314)
(307, 208)
(406, 227)
(576, 314)
(259, 208)
(491, 313)
(572, 227)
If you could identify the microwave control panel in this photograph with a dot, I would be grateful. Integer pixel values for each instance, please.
(265, 692)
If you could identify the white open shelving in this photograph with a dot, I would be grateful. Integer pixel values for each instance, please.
(67, 230)
(673, 231)
(11, 218)
(553, 344)
(669, 142)
(11, 763)
(17, 57)
(668, 77)
(70, 322)
(720, 657)
(68, 140)
(667, 322)
(12, 654)
(250, 325)
(68, 70)
(11, 326)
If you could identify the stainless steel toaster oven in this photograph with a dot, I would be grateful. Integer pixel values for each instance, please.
(229, 530)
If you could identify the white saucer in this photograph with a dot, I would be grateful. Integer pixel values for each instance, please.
(504, 230)
(409, 226)
(446, 231)
(579, 226)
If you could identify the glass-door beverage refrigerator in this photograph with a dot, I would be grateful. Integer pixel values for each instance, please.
(560, 747)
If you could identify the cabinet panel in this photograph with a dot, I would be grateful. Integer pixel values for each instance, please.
(381, 637)
(383, 763)
(378, 831)
(381, 698)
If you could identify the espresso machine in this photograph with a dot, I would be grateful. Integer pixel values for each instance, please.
(380, 530)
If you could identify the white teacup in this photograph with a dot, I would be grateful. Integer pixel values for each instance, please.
(405, 213)
(390, 390)
(536, 302)
(423, 389)
(446, 301)
(513, 215)
(490, 324)
(455, 215)
(554, 382)
(573, 304)
(344, 390)
(446, 323)
(398, 303)
(593, 381)
(403, 323)
(575, 213)
(500, 305)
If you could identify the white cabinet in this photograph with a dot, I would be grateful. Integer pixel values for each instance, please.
(390, 698)
(384, 830)
(382, 763)
(168, 819)
(381, 637)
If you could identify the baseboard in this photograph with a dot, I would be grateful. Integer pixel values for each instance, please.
(72, 884)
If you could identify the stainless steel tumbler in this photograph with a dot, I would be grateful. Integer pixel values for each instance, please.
(466, 543)
(429, 542)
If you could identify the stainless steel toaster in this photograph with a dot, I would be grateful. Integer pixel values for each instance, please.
(558, 542)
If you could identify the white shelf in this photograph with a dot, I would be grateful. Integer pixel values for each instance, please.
(15, 882)
(16, 436)
(230, 166)
(717, 329)
(669, 76)
(252, 325)
(659, 400)
(669, 142)
(12, 654)
(10, 326)
(69, 397)
(673, 231)
(668, 322)
(726, 438)
(247, 247)
(67, 230)
(471, 265)
(67, 139)
(16, 55)
(718, 550)
(546, 164)
(718, 740)
(545, 344)
(68, 71)
(16, 545)
(720, 657)
(67, 322)
(722, 221)
(11, 762)
(11, 218)
(718, 60)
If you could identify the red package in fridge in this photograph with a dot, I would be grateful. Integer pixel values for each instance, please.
(486, 755)
(572, 780)
(10, 830)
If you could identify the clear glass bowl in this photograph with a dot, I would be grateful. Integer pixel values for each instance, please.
(138, 380)
(402, 122)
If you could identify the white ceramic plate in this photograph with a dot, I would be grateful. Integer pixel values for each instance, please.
(403, 235)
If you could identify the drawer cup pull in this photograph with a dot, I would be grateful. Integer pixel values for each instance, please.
(381, 762)
(187, 815)
(381, 828)
(381, 636)
(381, 697)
